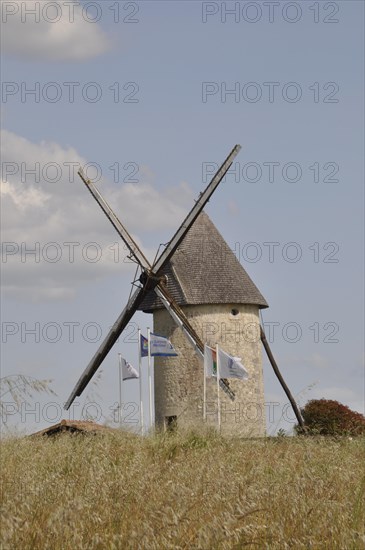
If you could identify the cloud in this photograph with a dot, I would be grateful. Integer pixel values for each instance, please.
(52, 31)
(55, 238)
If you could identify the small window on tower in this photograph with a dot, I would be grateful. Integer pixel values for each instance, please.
(170, 423)
(235, 312)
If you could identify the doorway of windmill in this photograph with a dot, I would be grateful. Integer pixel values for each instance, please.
(170, 423)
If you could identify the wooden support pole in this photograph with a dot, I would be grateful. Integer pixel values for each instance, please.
(281, 379)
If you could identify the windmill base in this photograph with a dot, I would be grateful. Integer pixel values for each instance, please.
(179, 399)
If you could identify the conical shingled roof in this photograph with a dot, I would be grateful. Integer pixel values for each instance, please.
(204, 270)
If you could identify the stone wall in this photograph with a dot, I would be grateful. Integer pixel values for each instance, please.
(179, 381)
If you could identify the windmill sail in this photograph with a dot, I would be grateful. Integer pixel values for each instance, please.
(195, 211)
(150, 277)
(106, 345)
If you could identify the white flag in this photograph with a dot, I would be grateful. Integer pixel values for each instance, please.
(161, 347)
(229, 367)
(128, 372)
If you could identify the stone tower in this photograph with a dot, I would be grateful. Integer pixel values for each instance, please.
(222, 304)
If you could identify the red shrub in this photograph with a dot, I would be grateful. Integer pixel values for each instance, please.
(327, 417)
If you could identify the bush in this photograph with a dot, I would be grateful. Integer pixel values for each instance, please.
(328, 417)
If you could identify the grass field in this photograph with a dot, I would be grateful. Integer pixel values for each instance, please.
(181, 491)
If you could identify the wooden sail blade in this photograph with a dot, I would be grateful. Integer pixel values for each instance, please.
(152, 279)
(106, 345)
(195, 211)
(134, 249)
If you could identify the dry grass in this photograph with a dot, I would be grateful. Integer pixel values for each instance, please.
(181, 491)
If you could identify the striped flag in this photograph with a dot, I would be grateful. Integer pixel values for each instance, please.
(160, 346)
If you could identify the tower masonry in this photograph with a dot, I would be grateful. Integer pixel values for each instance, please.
(222, 304)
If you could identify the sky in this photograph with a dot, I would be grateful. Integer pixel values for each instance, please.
(148, 98)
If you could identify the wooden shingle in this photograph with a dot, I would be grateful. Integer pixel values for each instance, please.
(204, 270)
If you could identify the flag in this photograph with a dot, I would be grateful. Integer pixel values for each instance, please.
(160, 346)
(210, 361)
(144, 346)
(229, 367)
(128, 372)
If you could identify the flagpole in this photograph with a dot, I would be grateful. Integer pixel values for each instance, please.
(120, 389)
(149, 373)
(218, 396)
(204, 389)
(140, 380)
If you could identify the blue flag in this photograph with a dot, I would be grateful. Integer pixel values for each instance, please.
(144, 346)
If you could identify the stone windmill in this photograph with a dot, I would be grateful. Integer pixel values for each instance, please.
(198, 293)
(222, 304)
